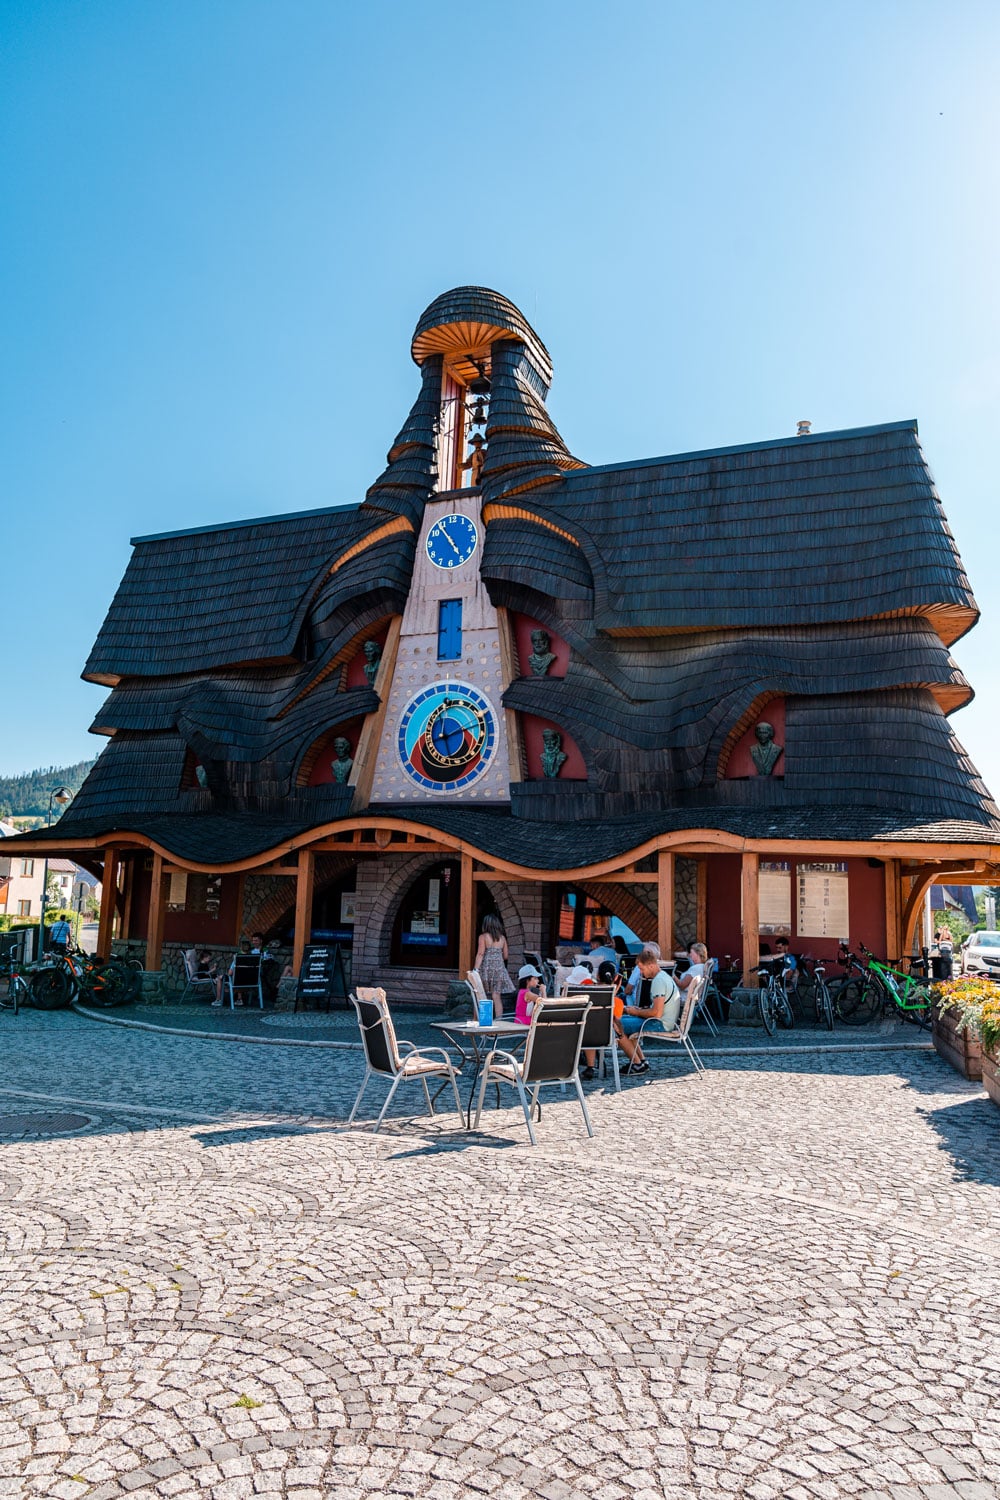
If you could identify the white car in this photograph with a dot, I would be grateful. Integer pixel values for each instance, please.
(981, 954)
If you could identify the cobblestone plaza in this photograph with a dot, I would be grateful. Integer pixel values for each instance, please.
(779, 1280)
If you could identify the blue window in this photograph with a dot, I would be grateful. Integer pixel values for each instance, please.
(449, 629)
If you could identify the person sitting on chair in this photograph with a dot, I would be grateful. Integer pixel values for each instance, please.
(658, 1007)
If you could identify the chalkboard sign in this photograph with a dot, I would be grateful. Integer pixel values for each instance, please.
(321, 977)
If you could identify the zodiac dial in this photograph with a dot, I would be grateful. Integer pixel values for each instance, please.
(447, 736)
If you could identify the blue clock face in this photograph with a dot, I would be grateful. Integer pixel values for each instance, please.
(452, 541)
(447, 736)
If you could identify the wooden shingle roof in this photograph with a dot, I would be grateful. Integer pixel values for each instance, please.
(819, 529)
(193, 600)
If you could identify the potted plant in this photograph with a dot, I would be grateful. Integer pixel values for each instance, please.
(975, 1004)
(954, 1038)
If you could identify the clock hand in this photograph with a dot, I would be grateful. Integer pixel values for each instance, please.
(451, 544)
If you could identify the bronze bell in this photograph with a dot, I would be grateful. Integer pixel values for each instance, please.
(478, 414)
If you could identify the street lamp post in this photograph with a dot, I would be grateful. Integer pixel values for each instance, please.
(62, 795)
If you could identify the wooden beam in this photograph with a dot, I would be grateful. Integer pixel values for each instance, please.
(129, 868)
(665, 902)
(241, 880)
(702, 920)
(157, 910)
(366, 754)
(303, 907)
(466, 916)
(109, 901)
(750, 880)
(893, 936)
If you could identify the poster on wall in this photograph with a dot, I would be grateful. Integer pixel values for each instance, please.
(823, 908)
(433, 895)
(425, 922)
(775, 897)
(347, 905)
(177, 891)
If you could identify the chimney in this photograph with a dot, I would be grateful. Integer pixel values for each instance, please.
(803, 429)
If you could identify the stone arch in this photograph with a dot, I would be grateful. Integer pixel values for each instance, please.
(378, 909)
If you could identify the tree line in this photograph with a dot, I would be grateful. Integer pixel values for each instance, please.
(27, 795)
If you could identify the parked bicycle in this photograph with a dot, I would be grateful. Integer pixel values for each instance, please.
(18, 991)
(872, 989)
(773, 1004)
(63, 978)
(818, 991)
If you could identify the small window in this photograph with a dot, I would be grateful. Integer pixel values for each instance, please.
(24, 908)
(449, 630)
(27, 867)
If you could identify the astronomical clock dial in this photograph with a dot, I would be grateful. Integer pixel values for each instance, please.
(452, 541)
(447, 736)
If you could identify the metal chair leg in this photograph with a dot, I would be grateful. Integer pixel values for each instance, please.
(615, 1068)
(427, 1096)
(458, 1097)
(527, 1110)
(364, 1085)
(583, 1105)
(482, 1095)
(388, 1100)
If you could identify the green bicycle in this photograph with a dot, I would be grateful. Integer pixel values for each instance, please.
(879, 990)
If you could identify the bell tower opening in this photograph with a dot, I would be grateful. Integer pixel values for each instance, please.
(465, 395)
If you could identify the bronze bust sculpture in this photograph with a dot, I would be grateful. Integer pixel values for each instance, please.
(553, 755)
(541, 657)
(765, 753)
(373, 656)
(342, 764)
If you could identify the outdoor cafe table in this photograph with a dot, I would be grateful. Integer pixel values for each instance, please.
(470, 1032)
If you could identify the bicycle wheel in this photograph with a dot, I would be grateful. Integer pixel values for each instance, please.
(765, 1005)
(111, 985)
(49, 989)
(824, 1005)
(855, 1003)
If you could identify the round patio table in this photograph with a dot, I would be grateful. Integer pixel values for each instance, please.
(474, 1035)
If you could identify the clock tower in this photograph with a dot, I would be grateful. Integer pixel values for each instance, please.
(444, 734)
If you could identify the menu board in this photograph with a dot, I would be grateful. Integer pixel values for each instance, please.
(321, 977)
(775, 896)
(823, 909)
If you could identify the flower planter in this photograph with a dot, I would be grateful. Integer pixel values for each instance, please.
(991, 1076)
(959, 1048)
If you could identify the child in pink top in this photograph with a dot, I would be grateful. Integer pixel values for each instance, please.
(531, 990)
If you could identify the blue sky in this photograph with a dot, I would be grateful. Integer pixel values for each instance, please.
(220, 222)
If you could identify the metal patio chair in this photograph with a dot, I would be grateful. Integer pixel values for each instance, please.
(680, 1036)
(599, 1034)
(703, 1010)
(244, 978)
(400, 1061)
(195, 981)
(551, 1055)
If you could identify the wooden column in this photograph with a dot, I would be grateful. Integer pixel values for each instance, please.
(303, 907)
(109, 900)
(466, 916)
(751, 918)
(157, 910)
(241, 880)
(893, 936)
(129, 869)
(665, 902)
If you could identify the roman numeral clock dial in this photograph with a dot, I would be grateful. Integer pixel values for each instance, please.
(452, 541)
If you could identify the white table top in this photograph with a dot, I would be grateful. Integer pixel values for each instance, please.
(473, 1028)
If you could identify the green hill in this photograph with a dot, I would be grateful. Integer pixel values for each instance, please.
(27, 795)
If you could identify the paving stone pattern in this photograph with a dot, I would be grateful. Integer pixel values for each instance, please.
(780, 1280)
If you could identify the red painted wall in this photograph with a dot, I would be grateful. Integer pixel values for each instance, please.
(740, 763)
(866, 908)
(191, 928)
(574, 767)
(523, 626)
(195, 927)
